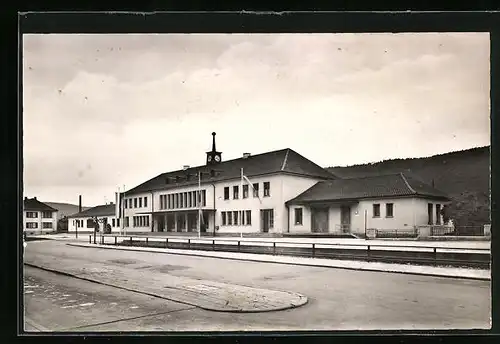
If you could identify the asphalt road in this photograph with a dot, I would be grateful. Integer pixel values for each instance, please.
(338, 299)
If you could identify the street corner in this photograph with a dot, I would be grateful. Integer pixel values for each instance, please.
(232, 298)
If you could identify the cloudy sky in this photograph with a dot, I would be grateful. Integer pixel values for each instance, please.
(102, 111)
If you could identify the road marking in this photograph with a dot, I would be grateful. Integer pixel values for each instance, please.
(31, 286)
(86, 304)
(134, 307)
(28, 291)
(66, 295)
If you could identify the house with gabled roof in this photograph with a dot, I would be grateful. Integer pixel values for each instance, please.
(275, 192)
(38, 217)
(84, 221)
(386, 202)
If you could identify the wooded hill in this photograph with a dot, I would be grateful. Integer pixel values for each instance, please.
(463, 175)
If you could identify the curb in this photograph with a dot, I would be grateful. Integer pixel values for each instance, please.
(304, 299)
(286, 263)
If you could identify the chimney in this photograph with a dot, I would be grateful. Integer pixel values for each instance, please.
(80, 203)
(185, 167)
(34, 198)
(246, 155)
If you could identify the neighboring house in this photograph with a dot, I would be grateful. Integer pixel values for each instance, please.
(38, 217)
(282, 192)
(385, 202)
(83, 222)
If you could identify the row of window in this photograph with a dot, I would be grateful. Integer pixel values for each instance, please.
(35, 225)
(34, 214)
(237, 218)
(141, 221)
(255, 187)
(389, 210)
(183, 200)
(136, 202)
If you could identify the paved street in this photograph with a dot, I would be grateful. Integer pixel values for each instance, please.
(337, 299)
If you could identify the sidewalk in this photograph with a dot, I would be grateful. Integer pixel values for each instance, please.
(464, 273)
(205, 294)
(387, 243)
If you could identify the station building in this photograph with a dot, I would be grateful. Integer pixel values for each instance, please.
(275, 192)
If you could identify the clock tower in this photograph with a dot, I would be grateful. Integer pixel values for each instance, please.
(213, 157)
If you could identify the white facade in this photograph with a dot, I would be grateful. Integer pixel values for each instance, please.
(407, 213)
(83, 225)
(216, 207)
(39, 221)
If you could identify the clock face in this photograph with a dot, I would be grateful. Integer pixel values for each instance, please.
(209, 158)
(217, 158)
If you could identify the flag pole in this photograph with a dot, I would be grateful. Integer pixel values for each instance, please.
(199, 204)
(241, 188)
(123, 204)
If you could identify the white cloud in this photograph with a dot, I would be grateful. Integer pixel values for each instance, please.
(136, 105)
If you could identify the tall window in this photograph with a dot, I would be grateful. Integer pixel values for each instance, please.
(235, 215)
(389, 209)
(145, 201)
(245, 191)
(438, 214)
(226, 192)
(376, 210)
(127, 222)
(181, 200)
(223, 218)
(117, 222)
(236, 190)
(203, 198)
(298, 216)
(113, 222)
(267, 189)
(140, 202)
(429, 214)
(130, 203)
(248, 217)
(256, 190)
(90, 223)
(135, 202)
(229, 218)
(125, 203)
(47, 214)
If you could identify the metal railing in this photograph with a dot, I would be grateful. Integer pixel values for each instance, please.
(413, 254)
(397, 233)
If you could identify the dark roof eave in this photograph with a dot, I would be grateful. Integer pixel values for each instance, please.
(418, 195)
(89, 215)
(209, 182)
